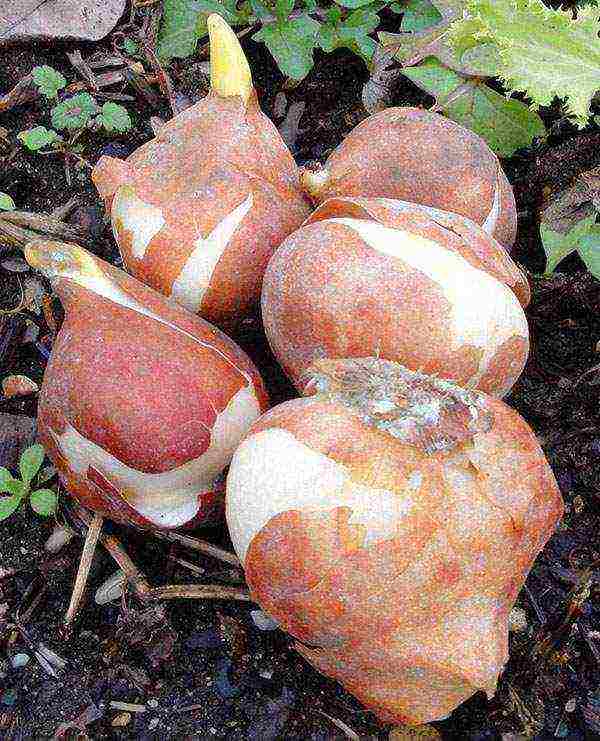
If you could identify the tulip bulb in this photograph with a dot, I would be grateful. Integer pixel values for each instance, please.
(143, 403)
(422, 157)
(388, 521)
(198, 211)
(379, 277)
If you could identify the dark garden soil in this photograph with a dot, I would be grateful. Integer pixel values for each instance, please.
(203, 669)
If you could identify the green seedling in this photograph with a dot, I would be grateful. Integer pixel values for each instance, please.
(29, 486)
(6, 202)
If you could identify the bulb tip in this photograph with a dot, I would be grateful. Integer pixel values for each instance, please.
(314, 179)
(229, 70)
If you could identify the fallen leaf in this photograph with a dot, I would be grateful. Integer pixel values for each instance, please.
(23, 20)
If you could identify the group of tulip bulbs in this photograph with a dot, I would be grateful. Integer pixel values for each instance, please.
(387, 518)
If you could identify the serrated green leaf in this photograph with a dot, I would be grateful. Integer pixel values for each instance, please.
(559, 245)
(291, 43)
(506, 125)
(38, 137)
(483, 59)
(30, 461)
(114, 117)
(544, 53)
(418, 15)
(48, 81)
(589, 250)
(6, 202)
(43, 501)
(8, 505)
(74, 113)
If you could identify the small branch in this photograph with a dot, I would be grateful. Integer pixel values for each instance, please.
(197, 591)
(89, 548)
(195, 544)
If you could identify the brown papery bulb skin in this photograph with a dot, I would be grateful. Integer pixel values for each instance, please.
(198, 211)
(143, 403)
(423, 157)
(388, 523)
(423, 287)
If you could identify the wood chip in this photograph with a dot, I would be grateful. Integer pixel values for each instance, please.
(128, 707)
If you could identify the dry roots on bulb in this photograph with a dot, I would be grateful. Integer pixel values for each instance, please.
(421, 157)
(198, 211)
(423, 287)
(388, 523)
(143, 403)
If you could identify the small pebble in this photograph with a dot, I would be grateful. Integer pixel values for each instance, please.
(153, 723)
(120, 720)
(571, 705)
(111, 589)
(517, 620)
(59, 537)
(152, 703)
(20, 660)
(263, 621)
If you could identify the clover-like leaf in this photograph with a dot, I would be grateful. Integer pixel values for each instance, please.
(48, 81)
(74, 113)
(38, 137)
(6, 202)
(43, 501)
(30, 462)
(6, 478)
(8, 505)
(113, 117)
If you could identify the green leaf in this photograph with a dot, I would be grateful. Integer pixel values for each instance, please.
(261, 10)
(557, 245)
(589, 250)
(283, 8)
(178, 34)
(38, 138)
(8, 505)
(506, 125)
(544, 53)
(418, 15)
(432, 40)
(30, 462)
(353, 3)
(43, 501)
(131, 46)
(74, 113)
(48, 81)
(114, 117)
(6, 478)
(6, 202)
(291, 43)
